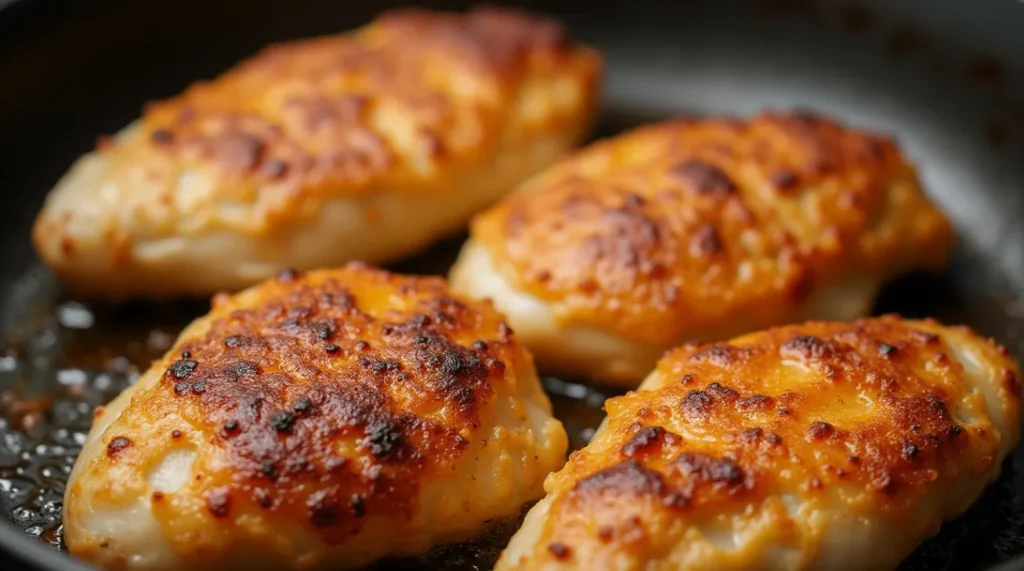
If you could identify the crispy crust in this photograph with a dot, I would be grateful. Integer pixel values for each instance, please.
(689, 224)
(367, 145)
(862, 419)
(402, 103)
(317, 401)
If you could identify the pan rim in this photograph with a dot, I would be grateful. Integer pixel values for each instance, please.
(37, 555)
(29, 550)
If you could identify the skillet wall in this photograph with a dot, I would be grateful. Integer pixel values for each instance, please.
(941, 74)
(945, 76)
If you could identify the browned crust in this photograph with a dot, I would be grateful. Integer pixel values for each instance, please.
(291, 375)
(781, 412)
(692, 223)
(394, 103)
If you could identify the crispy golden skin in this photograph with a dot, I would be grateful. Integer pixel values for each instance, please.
(316, 421)
(700, 229)
(367, 145)
(818, 446)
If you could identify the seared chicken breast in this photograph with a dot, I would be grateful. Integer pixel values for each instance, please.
(317, 421)
(819, 446)
(367, 145)
(699, 229)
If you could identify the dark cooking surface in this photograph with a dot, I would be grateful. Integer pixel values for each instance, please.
(69, 357)
(937, 74)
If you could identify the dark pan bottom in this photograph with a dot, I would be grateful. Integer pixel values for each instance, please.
(949, 103)
(65, 358)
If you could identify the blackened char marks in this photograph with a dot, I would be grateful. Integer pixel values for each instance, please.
(383, 438)
(282, 421)
(245, 368)
(379, 366)
(706, 241)
(697, 405)
(182, 368)
(116, 445)
(161, 136)
(560, 550)
(767, 414)
(274, 168)
(705, 468)
(302, 405)
(759, 403)
(809, 347)
(288, 275)
(236, 150)
(627, 478)
(287, 411)
(721, 393)
(323, 328)
(357, 505)
(910, 450)
(322, 509)
(705, 178)
(628, 238)
(675, 489)
(648, 440)
(717, 355)
(784, 180)
(927, 417)
(820, 430)
(455, 373)
(397, 66)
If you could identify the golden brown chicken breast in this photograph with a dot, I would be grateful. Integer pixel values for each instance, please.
(819, 446)
(318, 421)
(367, 145)
(699, 230)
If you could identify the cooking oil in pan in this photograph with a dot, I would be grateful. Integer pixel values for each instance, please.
(59, 359)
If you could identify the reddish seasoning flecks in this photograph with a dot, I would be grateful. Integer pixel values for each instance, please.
(116, 445)
(688, 226)
(735, 450)
(560, 550)
(279, 404)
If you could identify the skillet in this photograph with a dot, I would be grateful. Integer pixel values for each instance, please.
(945, 77)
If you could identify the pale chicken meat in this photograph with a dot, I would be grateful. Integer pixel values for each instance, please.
(368, 145)
(699, 229)
(823, 446)
(316, 421)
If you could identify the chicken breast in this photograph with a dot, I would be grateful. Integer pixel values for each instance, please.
(819, 446)
(318, 421)
(368, 145)
(699, 229)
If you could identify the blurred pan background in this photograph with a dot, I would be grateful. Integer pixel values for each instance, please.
(945, 77)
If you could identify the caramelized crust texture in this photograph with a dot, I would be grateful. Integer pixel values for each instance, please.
(417, 106)
(818, 446)
(710, 228)
(394, 103)
(324, 420)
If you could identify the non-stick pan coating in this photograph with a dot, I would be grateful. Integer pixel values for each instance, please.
(943, 76)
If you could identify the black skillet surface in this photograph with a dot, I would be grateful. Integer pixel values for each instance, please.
(944, 77)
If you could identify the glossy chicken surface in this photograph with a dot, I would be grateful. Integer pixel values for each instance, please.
(699, 229)
(367, 145)
(316, 421)
(818, 446)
